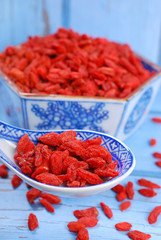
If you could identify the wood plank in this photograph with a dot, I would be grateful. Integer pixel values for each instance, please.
(28, 18)
(14, 211)
(135, 22)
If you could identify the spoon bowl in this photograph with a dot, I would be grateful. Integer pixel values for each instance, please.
(10, 135)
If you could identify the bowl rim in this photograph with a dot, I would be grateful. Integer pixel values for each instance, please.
(76, 190)
(13, 87)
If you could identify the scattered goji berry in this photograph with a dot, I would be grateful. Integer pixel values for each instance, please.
(16, 181)
(153, 216)
(51, 198)
(123, 226)
(46, 204)
(153, 142)
(158, 163)
(137, 235)
(156, 119)
(107, 210)
(88, 212)
(32, 194)
(147, 192)
(119, 188)
(75, 226)
(125, 205)
(88, 221)
(157, 155)
(121, 196)
(32, 221)
(130, 190)
(83, 234)
(3, 171)
(146, 183)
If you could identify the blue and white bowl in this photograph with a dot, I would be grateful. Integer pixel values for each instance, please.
(117, 117)
(9, 136)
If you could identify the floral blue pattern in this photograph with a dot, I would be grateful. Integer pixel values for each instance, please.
(138, 111)
(71, 115)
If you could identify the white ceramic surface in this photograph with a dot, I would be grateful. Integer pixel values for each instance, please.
(10, 135)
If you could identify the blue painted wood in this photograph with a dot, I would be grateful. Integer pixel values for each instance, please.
(18, 20)
(14, 211)
(135, 22)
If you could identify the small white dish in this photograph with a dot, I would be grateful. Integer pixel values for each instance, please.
(9, 136)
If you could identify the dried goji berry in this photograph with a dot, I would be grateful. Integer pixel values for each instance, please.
(73, 184)
(89, 177)
(96, 162)
(73, 161)
(153, 142)
(108, 172)
(22, 143)
(52, 139)
(75, 226)
(32, 194)
(125, 205)
(16, 181)
(112, 165)
(146, 183)
(157, 155)
(56, 162)
(71, 173)
(39, 170)
(3, 171)
(48, 178)
(26, 170)
(108, 212)
(98, 151)
(123, 226)
(121, 196)
(88, 221)
(158, 163)
(68, 136)
(95, 141)
(130, 190)
(153, 216)
(88, 212)
(83, 234)
(50, 197)
(137, 235)
(147, 192)
(46, 204)
(119, 188)
(32, 221)
(156, 119)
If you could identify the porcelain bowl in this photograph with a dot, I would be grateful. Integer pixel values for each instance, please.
(117, 117)
(9, 136)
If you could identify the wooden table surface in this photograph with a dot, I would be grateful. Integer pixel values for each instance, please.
(14, 208)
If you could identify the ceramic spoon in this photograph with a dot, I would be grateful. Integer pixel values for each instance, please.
(9, 137)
